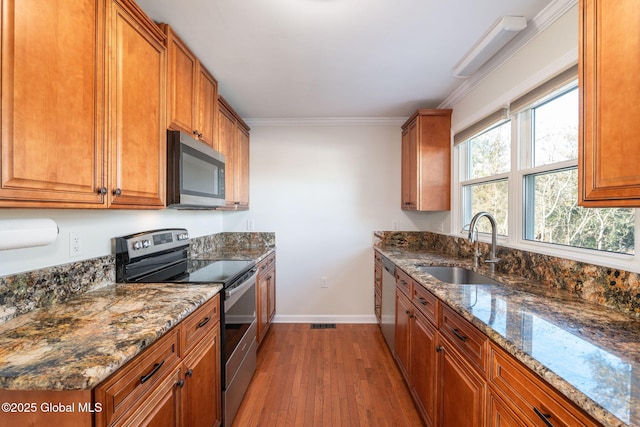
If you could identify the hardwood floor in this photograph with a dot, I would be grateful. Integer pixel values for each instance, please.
(326, 377)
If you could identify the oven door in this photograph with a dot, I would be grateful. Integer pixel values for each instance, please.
(239, 344)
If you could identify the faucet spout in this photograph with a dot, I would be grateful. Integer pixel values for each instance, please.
(494, 237)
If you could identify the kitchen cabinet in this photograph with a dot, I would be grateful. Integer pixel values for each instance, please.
(137, 72)
(461, 386)
(426, 161)
(609, 41)
(83, 100)
(53, 94)
(266, 295)
(174, 382)
(458, 377)
(532, 402)
(233, 142)
(192, 91)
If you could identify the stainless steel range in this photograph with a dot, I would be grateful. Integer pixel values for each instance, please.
(161, 256)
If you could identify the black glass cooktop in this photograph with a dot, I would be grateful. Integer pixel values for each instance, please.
(218, 271)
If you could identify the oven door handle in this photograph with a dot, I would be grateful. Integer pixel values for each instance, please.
(242, 287)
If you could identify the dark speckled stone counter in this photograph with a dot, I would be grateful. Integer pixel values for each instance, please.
(76, 343)
(590, 353)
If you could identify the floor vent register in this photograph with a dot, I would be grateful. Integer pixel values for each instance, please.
(323, 326)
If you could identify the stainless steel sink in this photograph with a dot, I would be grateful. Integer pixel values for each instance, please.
(457, 275)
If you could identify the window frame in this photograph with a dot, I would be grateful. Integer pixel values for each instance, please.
(521, 166)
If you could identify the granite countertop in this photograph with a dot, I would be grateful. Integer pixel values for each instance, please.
(76, 344)
(590, 353)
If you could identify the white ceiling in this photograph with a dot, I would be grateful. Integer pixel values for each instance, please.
(333, 58)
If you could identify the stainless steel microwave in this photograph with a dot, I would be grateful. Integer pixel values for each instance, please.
(195, 173)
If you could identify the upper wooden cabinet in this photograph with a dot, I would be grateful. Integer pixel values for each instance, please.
(53, 95)
(233, 142)
(66, 105)
(426, 161)
(609, 65)
(193, 92)
(137, 131)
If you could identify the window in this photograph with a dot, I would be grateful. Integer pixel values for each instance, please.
(551, 211)
(485, 176)
(537, 146)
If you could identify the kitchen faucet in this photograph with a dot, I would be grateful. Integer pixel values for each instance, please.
(494, 239)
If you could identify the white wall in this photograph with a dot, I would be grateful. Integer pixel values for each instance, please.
(323, 190)
(96, 229)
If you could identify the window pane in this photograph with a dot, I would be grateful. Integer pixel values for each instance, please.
(553, 216)
(490, 152)
(555, 128)
(491, 197)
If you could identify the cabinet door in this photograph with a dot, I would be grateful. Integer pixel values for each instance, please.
(182, 75)
(227, 146)
(137, 106)
(161, 409)
(401, 351)
(609, 130)
(242, 169)
(53, 142)
(410, 167)
(206, 106)
(501, 416)
(202, 391)
(423, 366)
(261, 306)
(461, 389)
(271, 302)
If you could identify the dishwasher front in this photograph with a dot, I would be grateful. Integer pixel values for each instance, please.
(388, 309)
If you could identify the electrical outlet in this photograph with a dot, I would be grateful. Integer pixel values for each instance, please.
(75, 244)
(324, 282)
(394, 225)
(250, 225)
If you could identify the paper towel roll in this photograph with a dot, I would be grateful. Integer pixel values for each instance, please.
(27, 233)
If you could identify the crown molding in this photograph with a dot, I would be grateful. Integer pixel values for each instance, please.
(325, 121)
(538, 24)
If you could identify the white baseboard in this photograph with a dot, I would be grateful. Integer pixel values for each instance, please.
(346, 318)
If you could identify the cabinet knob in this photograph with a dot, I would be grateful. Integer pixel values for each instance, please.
(117, 192)
(439, 349)
(195, 132)
(407, 312)
(189, 373)
(180, 383)
(102, 190)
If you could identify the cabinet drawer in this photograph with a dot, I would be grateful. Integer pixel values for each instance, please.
(200, 322)
(530, 395)
(136, 380)
(404, 282)
(464, 337)
(426, 302)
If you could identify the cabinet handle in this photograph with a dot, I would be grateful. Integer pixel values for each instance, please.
(456, 332)
(423, 301)
(439, 349)
(204, 322)
(407, 312)
(156, 367)
(189, 373)
(102, 190)
(543, 417)
(195, 132)
(411, 316)
(180, 383)
(117, 192)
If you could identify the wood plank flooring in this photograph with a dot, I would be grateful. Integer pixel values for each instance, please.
(326, 377)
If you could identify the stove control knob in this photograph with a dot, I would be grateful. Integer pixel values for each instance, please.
(137, 245)
(183, 236)
(146, 243)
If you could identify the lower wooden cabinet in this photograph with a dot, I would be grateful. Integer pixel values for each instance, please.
(423, 366)
(169, 384)
(377, 287)
(457, 377)
(265, 295)
(201, 394)
(461, 390)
